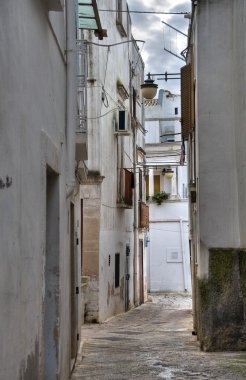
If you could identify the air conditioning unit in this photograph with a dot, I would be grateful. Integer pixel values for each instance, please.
(122, 125)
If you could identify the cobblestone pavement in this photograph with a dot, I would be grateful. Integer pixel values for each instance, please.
(153, 341)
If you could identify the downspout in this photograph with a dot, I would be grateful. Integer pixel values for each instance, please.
(71, 103)
(183, 255)
(71, 94)
(135, 223)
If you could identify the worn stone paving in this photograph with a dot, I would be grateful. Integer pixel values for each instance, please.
(153, 341)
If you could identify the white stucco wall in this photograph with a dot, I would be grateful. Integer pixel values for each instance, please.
(108, 152)
(32, 136)
(169, 256)
(168, 232)
(221, 116)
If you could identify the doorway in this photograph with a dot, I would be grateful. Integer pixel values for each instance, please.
(141, 274)
(51, 277)
(127, 278)
(73, 290)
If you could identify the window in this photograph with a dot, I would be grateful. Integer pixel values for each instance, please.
(167, 133)
(121, 17)
(176, 110)
(117, 271)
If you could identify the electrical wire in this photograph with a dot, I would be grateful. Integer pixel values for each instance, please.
(98, 117)
(160, 229)
(143, 12)
(109, 45)
(115, 102)
(139, 55)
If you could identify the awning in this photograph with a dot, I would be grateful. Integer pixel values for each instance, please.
(89, 17)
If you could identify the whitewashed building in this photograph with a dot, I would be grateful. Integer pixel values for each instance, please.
(39, 318)
(110, 194)
(213, 123)
(168, 245)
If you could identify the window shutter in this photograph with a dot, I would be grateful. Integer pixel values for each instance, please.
(157, 184)
(143, 215)
(129, 181)
(186, 101)
(147, 184)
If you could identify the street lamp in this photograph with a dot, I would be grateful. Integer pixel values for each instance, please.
(168, 173)
(149, 88)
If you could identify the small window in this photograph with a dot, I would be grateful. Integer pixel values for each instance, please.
(117, 271)
(121, 17)
(176, 110)
(167, 133)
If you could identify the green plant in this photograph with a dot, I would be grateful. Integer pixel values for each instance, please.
(147, 197)
(160, 197)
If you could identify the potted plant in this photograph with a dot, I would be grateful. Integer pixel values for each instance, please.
(160, 197)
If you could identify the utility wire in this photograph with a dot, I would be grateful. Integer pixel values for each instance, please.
(98, 117)
(150, 12)
(110, 45)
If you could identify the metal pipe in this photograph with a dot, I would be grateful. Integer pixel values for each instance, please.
(135, 225)
(183, 254)
(172, 27)
(71, 94)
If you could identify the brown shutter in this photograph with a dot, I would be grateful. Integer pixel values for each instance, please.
(186, 101)
(129, 179)
(147, 184)
(144, 215)
(157, 184)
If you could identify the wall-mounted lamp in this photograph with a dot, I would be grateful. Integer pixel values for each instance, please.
(149, 88)
(168, 172)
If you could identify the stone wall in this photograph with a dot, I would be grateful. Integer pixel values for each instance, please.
(222, 301)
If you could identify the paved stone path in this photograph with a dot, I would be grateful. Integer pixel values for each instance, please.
(153, 341)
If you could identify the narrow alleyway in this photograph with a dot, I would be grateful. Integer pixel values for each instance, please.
(153, 341)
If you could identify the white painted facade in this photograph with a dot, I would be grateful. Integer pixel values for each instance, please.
(217, 177)
(37, 132)
(168, 246)
(110, 225)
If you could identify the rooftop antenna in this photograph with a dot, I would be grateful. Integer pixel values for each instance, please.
(174, 34)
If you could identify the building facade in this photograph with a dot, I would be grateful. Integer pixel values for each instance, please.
(213, 94)
(112, 242)
(37, 153)
(168, 245)
(71, 178)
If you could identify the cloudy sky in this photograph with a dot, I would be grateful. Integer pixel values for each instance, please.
(149, 27)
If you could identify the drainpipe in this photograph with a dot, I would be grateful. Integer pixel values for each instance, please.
(71, 94)
(135, 223)
(183, 254)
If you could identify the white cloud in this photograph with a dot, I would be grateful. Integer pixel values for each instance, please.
(149, 28)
